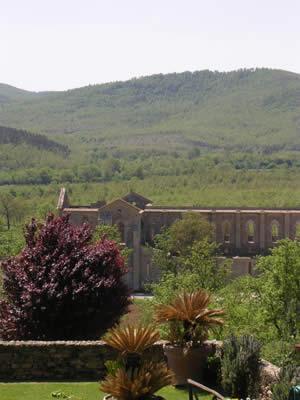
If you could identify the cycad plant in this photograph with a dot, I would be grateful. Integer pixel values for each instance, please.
(131, 341)
(132, 377)
(139, 383)
(189, 318)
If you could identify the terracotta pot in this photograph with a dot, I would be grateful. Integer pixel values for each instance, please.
(187, 362)
(297, 347)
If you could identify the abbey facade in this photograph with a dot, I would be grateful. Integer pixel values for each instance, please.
(242, 233)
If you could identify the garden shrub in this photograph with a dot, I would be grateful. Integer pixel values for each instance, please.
(286, 377)
(212, 371)
(240, 366)
(61, 286)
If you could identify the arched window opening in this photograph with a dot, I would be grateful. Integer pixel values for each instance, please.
(153, 233)
(275, 232)
(84, 219)
(226, 232)
(249, 268)
(121, 229)
(297, 234)
(250, 231)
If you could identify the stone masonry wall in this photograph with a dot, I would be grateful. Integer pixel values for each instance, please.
(58, 361)
(77, 361)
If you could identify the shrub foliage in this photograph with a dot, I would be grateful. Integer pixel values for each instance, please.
(61, 287)
(240, 366)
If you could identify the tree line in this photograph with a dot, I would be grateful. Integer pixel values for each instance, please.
(19, 136)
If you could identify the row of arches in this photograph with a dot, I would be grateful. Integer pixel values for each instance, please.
(250, 231)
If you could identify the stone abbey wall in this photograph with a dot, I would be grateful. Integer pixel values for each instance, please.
(242, 233)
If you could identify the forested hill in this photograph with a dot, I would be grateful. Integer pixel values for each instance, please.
(10, 94)
(241, 110)
(17, 137)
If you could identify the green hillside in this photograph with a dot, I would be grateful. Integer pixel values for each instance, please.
(241, 109)
(10, 94)
(177, 124)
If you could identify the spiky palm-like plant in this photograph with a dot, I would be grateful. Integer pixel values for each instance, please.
(191, 310)
(139, 383)
(134, 378)
(131, 341)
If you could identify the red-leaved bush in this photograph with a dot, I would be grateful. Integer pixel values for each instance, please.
(61, 287)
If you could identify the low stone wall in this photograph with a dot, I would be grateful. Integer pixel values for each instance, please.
(58, 361)
(77, 361)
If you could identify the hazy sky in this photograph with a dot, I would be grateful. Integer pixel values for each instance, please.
(62, 44)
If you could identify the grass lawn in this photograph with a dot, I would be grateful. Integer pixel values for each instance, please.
(139, 313)
(83, 391)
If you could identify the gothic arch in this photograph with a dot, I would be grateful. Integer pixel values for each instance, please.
(226, 231)
(153, 232)
(84, 219)
(274, 231)
(250, 231)
(297, 229)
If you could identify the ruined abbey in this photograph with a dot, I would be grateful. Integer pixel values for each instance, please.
(242, 233)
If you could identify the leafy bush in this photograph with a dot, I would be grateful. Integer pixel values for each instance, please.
(277, 351)
(240, 366)
(245, 311)
(194, 271)
(286, 377)
(212, 371)
(61, 287)
(279, 287)
(289, 373)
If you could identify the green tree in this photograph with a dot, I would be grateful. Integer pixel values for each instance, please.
(191, 228)
(110, 167)
(11, 208)
(172, 245)
(202, 262)
(188, 258)
(279, 287)
(162, 252)
(244, 309)
(11, 241)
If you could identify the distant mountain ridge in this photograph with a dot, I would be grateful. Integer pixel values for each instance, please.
(11, 93)
(249, 108)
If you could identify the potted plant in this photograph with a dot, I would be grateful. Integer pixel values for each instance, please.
(131, 377)
(190, 321)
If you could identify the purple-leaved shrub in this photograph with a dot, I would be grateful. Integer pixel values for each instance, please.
(62, 287)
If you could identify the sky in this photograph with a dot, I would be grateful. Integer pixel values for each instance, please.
(64, 44)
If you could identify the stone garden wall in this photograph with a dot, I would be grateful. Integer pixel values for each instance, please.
(76, 361)
(58, 361)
